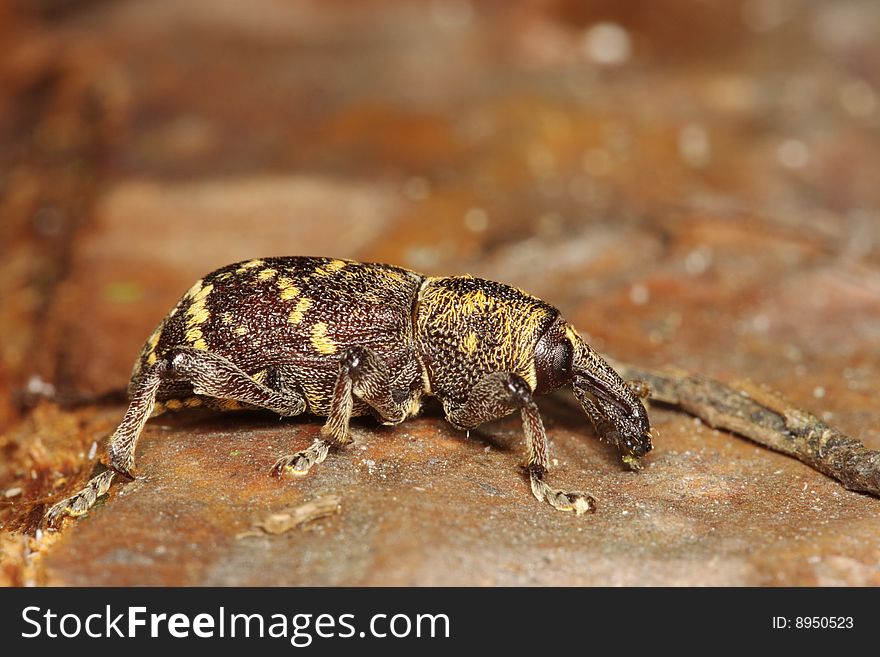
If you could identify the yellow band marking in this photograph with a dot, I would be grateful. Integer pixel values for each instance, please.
(335, 265)
(469, 343)
(198, 312)
(298, 313)
(250, 264)
(194, 290)
(321, 342)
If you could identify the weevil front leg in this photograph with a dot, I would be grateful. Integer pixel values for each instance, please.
(209, 374)
(499, 394)
(536, 443)
(364, 375)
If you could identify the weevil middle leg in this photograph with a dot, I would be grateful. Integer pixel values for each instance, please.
(498, 394)
(364, 375)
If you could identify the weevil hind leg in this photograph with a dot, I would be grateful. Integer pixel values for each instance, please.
(364, 375)
(215, 376)
(120, 450)
(497, 395)
(210, 375)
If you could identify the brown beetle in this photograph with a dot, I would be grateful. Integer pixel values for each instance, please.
(339, 338)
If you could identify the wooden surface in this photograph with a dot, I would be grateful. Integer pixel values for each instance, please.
(693, 187)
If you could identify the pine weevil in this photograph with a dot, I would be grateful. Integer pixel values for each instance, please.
(338, 338)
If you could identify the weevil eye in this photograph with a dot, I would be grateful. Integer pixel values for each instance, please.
(554, 355)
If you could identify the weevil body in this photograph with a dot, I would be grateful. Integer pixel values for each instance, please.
(338, 338)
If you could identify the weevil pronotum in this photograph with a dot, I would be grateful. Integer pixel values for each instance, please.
(338, 338)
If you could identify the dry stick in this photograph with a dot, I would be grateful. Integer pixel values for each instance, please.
(764, 416)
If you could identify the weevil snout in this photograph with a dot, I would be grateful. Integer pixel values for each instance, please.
(631, 432)
(636, 446)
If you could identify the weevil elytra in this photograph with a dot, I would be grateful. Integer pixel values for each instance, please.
(338, 338)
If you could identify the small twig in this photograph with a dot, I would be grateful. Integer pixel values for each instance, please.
(283, 521)
(764, 416)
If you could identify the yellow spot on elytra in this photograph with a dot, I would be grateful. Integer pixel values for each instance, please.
(203, 293)
(250, 264)
(287, 287)
(198, 312)
(194, 336)
(321, 342)
(469, 344)
(260, 377)
(241, 330)
(227, 318)
(267, 274)
(152, 341)
(335, 265)
(298, 313)
(194, 290)
(329, 268)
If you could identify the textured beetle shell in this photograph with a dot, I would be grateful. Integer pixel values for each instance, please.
(287, 321)
(468, 327)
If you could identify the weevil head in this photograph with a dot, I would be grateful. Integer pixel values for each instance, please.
(562, 358)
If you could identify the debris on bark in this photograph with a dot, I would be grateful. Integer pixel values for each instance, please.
(283, 521)
(767, 418)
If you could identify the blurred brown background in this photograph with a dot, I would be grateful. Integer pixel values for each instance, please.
(692, 183)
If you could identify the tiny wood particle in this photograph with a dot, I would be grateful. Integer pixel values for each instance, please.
(338, 338)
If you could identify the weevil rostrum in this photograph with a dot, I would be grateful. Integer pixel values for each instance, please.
(338, 338)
